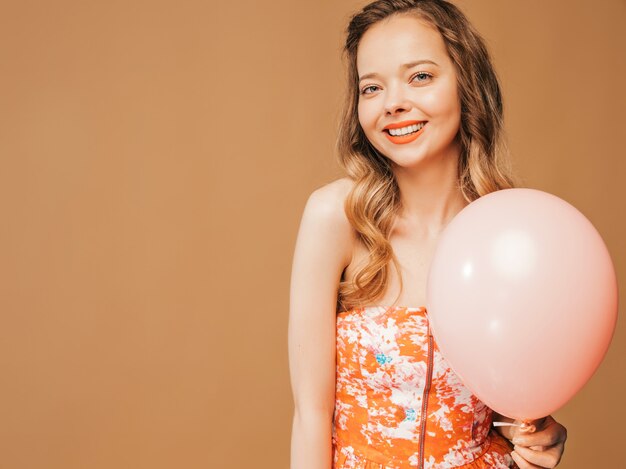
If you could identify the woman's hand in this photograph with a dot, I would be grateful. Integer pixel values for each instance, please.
(541, 449)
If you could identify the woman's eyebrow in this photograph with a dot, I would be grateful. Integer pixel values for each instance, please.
(403, 66)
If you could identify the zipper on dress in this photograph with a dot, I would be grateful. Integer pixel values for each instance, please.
(429, 377)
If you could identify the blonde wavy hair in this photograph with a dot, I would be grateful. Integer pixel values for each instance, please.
(483, 167)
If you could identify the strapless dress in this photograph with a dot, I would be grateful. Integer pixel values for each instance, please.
(399, 404)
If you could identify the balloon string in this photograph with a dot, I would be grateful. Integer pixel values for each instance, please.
(524, 426)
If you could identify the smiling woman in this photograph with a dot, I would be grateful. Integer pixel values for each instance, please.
(420, 139)
(401, 98)
(412, 62)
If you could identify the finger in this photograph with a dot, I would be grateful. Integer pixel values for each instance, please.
(532, 426)
(522, 463)
(526, 427)
(552, 434)
(548, 458)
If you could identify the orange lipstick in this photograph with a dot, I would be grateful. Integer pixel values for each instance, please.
(402, 139)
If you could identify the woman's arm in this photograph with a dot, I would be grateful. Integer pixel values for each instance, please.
(323, 249)
(542, 448)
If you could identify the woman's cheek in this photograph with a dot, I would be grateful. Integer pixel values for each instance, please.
(434, 104)
(363, 115)
(366, 120)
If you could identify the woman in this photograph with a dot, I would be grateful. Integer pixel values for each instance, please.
(421, 137)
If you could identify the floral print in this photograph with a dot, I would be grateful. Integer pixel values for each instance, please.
(398, 403)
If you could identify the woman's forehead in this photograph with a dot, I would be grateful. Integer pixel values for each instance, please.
(399, 40)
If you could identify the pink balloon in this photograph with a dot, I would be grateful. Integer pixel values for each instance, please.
(522, 300)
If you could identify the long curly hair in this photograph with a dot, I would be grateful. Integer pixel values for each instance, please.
(483, 167)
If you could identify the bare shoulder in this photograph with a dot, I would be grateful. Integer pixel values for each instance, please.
(328, 202)
(332, 195)
(325, 210)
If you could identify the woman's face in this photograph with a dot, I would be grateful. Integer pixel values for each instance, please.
(409, 106)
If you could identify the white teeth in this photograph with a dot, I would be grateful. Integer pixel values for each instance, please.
(407, 130)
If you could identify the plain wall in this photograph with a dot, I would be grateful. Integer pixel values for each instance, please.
(156, 157)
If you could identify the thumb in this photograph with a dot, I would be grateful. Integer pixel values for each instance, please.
(531, 426)
(522, 428)
(529, 434)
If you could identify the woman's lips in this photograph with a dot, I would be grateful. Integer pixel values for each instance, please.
(399, 125)
(402, 139)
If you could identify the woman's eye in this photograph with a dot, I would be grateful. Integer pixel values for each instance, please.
(371, 87)
(421, 77)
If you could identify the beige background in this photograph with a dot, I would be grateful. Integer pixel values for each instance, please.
(156, 157)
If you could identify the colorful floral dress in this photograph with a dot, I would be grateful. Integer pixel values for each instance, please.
(399, 404)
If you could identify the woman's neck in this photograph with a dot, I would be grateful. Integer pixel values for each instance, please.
(430, 195)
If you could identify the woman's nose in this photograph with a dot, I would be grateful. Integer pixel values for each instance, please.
(396, 101)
